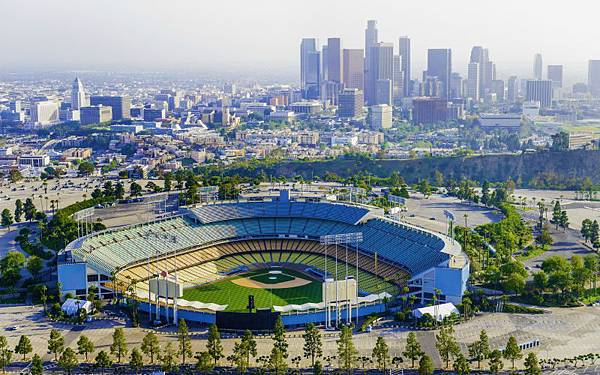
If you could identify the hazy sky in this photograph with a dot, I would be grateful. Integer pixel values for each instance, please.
(262, 35)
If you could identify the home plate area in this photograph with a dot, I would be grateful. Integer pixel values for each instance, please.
(271, 279)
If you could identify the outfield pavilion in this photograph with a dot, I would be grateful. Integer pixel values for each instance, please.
(204, 243)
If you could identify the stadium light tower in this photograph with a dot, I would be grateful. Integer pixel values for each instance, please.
(341, 239)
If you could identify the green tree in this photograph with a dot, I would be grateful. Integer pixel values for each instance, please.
(424, 187)
(461, 365)
(495, 361)
(446, 344)
(15, 176)
(184, 341)
(512, 352)
(136, 362)
(85, 346)
(150, 346)
(18, 210)
(413, 349)
(205, 362)
(586, 229)
(86, 168)
(56, 343)
(103, 361)
(279, 337)
(556, 214)
(313, 346)
(29, 209)
(6, 218)
(485, 193)
(5, 353)
(213, 344)
(34, 265)
(480, 349)
(564, 220)
(425, 365)
(167, 359)
(277, 362)
(381, 354)
(532, 365)
(119, 192)
(135, 189)
(68, 360)
(10, 268)
(37, 365)
(544, 239)
(119, 344)
(24, 346)
(347, 353)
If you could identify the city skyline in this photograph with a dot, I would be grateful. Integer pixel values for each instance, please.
(143, 36)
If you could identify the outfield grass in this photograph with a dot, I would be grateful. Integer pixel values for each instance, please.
(225, 292)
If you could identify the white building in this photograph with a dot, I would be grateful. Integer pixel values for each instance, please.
(381, 116)
(45, 113)
(500, 121)
(473, 82)
(78, 98)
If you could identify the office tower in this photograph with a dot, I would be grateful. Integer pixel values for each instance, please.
(431, 87)
(335, 61)
(44, 112)
(487, 69)
(398, 80)
(350, 103)
(354, 69)
(439, 64)
(371, 39)
(324, 63)
(15, 106)
(594, 77)
(121, 105)
(310, 68)
(383, 91)
(456, 86)
(330, 91)
(78, 98)
(473, 81)
(555, 74)
(429, 110)
(497, 88)
(540, 91)
(381, 116)
(512, 91)
(95, 114)
(152, 114)
(381, 69)
(538, 67)
(405, 55)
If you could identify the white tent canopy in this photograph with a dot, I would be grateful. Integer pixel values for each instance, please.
(438, 312)
(72, 306)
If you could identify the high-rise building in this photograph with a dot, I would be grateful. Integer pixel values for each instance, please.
(381, 69)
(380, 116)
(512, 90)
(95, 114)
(540, 91)
(350, 103)
(497, 88)
(398, 80)
(487, 69)
(152, 114)
(555, 74)
(429, 110)
(44, 112)
(538, 66)
(78, 98)
(594, 77)
(371, 39)
(354, 68)
(335, 60)
(456, 85)
(405, 56)
(439, 64)
(473, 81)
(310, 68)
(121, 105)
(324, 63)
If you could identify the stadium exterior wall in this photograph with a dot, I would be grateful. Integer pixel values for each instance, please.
(289, 320)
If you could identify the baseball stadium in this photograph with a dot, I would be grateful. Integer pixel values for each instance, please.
(292, 257)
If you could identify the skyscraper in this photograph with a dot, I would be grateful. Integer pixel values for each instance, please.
(370, 41)
(405, 56)
(350, 103)
(512, 91)
(335, 61)
(439, 64)
(310, 68)
(538, 66)
(398, 88)
(354, 69)
(381, 69)
(487, 69)
(473, 81)
(555, 74)
(540, 91)
(78, 98)
(121, 105)
(594, 77)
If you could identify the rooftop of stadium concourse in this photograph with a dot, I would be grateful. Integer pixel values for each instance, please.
(411, 247)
